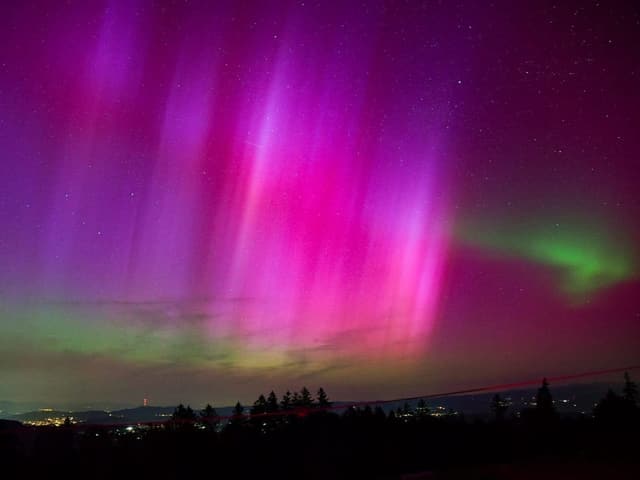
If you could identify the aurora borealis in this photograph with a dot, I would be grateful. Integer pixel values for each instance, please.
(204, 200)
(588, 255)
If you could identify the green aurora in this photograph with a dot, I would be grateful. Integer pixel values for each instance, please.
(589, 257)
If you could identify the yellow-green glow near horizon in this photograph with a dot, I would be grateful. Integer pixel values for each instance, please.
(70, 331)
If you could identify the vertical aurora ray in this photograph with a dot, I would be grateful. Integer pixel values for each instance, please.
(252, 172)
(360, 196)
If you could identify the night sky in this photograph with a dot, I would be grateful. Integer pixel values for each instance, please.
(202, 201)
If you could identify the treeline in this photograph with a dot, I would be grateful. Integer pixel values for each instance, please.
(299, 436)
(296, 403)
(613, 407)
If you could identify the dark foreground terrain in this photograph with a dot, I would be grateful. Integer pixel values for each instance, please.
(359, 444)
(305, 439)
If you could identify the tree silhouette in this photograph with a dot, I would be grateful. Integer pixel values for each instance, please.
(630, 390)
(544, 401)
(295, 400)
(257, 412)
(378, 414)
(422, 408)
(612, 409)
(238, 418)
(498, 407)
(306, 400)
(323, 400)
(259, 406)
(272, 402)
(286, 402)
(67, 421)
(183, 417)
(208, 412)
(183, 414)
(351, 412)
(209, 417)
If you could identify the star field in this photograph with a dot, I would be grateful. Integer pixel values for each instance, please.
(201, 200)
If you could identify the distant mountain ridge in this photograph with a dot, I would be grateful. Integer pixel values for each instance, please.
(102, 417)
(574, 398)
